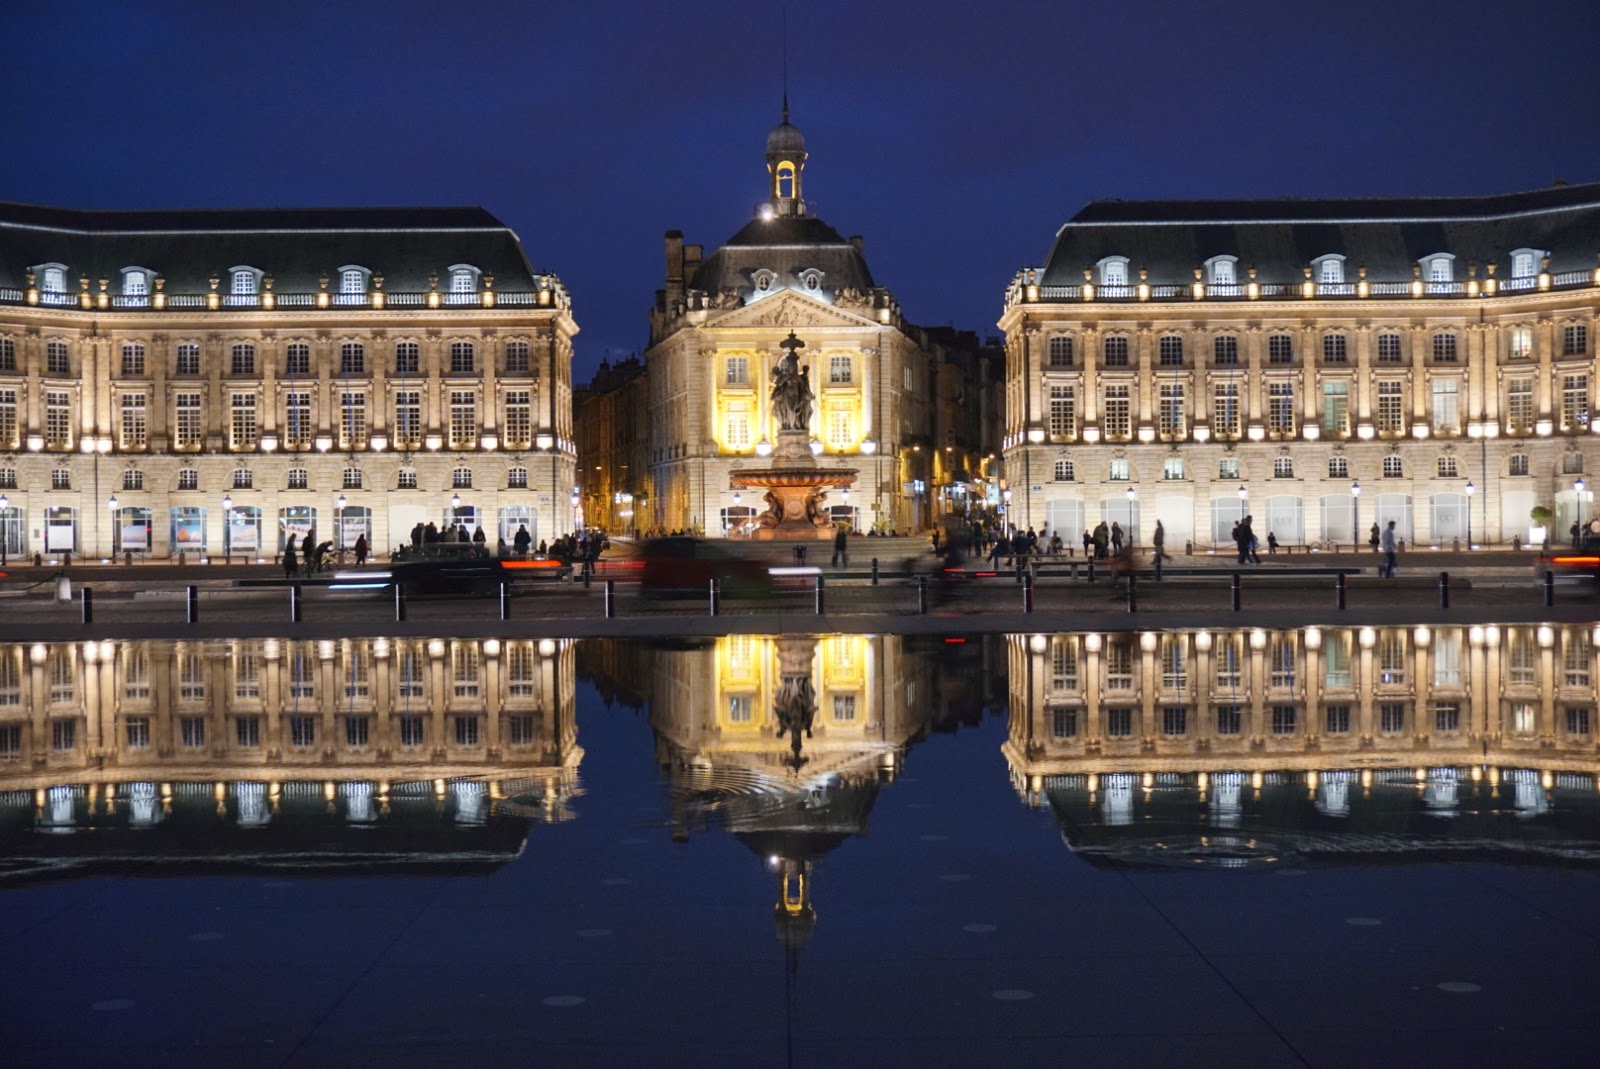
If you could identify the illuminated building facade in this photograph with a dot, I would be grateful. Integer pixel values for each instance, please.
(1319, 365)
(212, 381)
(715, 332)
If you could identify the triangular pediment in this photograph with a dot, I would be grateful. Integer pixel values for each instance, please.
(787, 309)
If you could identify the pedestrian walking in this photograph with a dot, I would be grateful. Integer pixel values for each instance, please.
(291, 562)
(1116, 538)
(1160, 538)
(361, 550)
(1373, 538)
(1390, 552)
(841, 546)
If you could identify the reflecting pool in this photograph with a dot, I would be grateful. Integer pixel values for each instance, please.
(1174, 847)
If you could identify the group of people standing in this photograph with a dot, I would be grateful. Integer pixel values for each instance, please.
(309, 556)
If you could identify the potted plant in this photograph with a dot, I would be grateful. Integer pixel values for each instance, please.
(1539, 533)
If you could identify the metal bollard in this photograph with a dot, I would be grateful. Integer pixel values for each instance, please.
(1549, 588)
(505, 599)
(922, 595)
(88, 605)
(294, 604)
(818, 595)
(1158, 567)
(1338, 591)
(588, 574)
(716, 598)
(874, 571)
(399, 603)
(611, 599)
(1133, 596)
(191, 601)
(1027, 595)
(1018, 563)
(1236, 590)
(1090, 574)
(1444, 590)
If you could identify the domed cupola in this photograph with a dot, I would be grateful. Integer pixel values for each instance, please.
(786, 158)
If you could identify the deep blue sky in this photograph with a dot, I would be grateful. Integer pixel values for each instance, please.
(955, 136)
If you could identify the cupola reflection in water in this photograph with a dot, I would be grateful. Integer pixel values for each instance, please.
(871, 848)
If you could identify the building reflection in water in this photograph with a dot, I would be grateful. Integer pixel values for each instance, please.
(341, 755)
(784, 742)
(1245, 745)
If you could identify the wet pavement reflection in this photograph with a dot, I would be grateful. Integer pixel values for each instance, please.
(1183, 847)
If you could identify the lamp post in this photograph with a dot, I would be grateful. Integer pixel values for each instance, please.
(111, 504)
(227, 527)
(1470, 491)
(545, 442)
(1579, 485)
(338, 521)
(1133, 531)
(1355, 514)
(574, 500)
(5, 528)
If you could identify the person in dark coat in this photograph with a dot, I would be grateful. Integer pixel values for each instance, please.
(521, 541)
(478, 536)
(841, 545)
(291, 562)
(361, 550)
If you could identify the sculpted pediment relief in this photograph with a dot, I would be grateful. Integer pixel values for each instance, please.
(787, 309)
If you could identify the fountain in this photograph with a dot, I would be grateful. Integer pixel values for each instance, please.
(795, 488)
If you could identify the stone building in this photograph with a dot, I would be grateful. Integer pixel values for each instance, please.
(611, 419)
(714, 340)
(1319, 365)
(212, 381)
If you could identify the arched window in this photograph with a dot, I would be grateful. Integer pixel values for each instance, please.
(1393, 467)
(352, 478)
(1064, 472)
(463, 284)
(406, 479)
(517, 478)
(188, 479)
(461, 479)
(1222, 270)
(135, 287)
(1114, 271)
(352, 285)
(1525, 262)
(299, 479)
(1447, 467)
(243, 285)
(243, 479)
(1328, 270)
(1440, 267)
(53, 284)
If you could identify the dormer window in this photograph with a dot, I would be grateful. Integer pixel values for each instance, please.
(352, 285)
(136, 287)
(811, 279)
(1114, 271)
(1222, 270)
(1439, 270)
(764, 280)
(1525, 262)
(1328, 270)
(52, 283)
(463, 284)
(244, 283)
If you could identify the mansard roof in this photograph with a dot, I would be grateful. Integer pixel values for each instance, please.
(294, 245)
(786, 245)
(1279, 237)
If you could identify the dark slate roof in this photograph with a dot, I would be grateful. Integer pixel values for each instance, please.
(787, 245)
(294, 245)
(1279, 237)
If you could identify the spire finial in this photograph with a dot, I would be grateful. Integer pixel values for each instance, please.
(785, 10)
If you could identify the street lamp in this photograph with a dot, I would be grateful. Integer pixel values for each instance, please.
(1132, 527)
(227, 527)
(5, 528)
(1579, 485)
(1355, 514)
(338, 521)
(1470, 491)
(111, 504)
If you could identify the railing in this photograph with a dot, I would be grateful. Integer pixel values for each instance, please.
(555, 297)
(1295, 290)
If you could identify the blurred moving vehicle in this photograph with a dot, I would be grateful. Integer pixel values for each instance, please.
(451, 568)
(680, 565)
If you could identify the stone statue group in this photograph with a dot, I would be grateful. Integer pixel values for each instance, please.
(791, 389)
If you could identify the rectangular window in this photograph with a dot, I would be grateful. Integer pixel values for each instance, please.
(302, 731)
(1336, 409)
(840, 428)
(1230, 720)
(407, 358)
(519, 730)
(407, 419)
(1280, 349)
(1117, 415)
(1116, 351)
(1391, 717)
(1174, 721)
(467, 733)
(242, 421)
(8, 420)
(1575, 340)
(132, 361)
(357, 732)
(844, 708)
(1391, 408)
(839, 369)
(1120, 471)
(1577, 720)
(461, 358)
(297, 359)
(57, 419)
(518, 429)
(1172, 415)
(1444, 347)
(1064, 722)
(463, 419)
(1388, 348)
(135, 426)
(1119, 723)
(192, 732)
(1227, 420)
(297, 420)
(352, 359)
(1280, 408)
(63, 734)
(247, 732)
(517, 361)
(1283, 719)
(56, 359)
(1334, 350)
(1061, 351)
(244, 359)
(188, 359)
(738, 427)
(1447, 716)
(1574, 402)
(1519, 343)
(352, 419)
(1338, 720)
(8, 354)
(1170, 350)
(1446, 413)
(411, 731)
(137, 730)
(738, 371)
(1519, 406)
(1063, 412)
(1225, 351)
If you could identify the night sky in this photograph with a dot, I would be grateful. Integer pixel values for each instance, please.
(955, 136)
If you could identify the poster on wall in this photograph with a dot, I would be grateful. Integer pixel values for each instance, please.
(353, 529)
(298, 527)
(58, 537)
(188, 533)
(244, 536)
(135, 536)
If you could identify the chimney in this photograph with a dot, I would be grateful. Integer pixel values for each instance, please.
(674, 291)
(857, 242)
